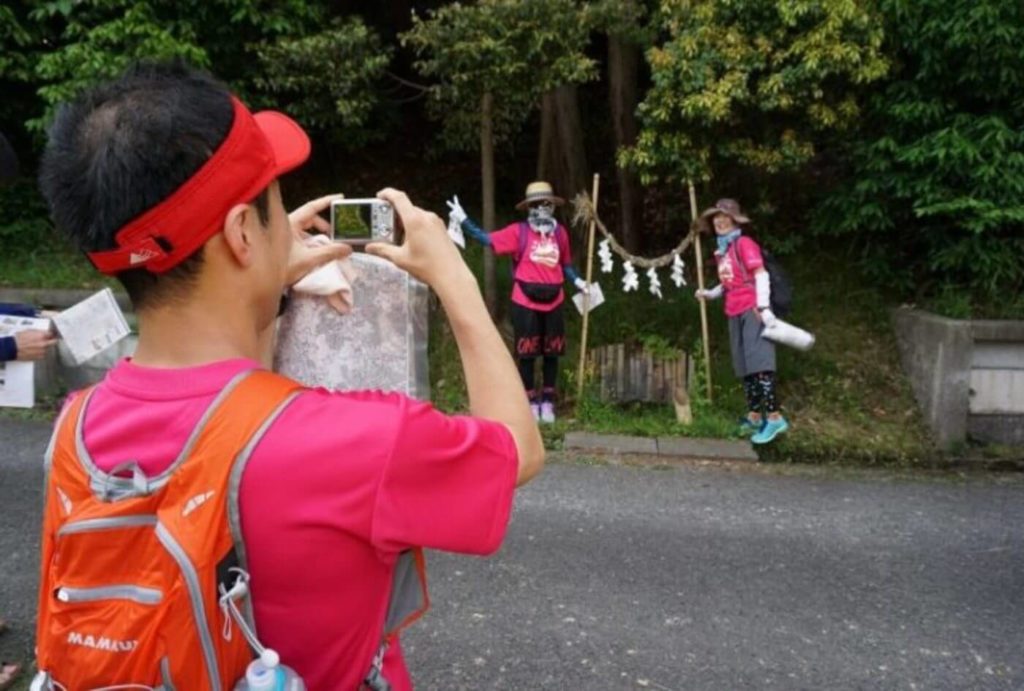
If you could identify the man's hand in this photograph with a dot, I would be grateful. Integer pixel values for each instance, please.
(307, 217)
(304, 257)
(426, 253)
(33, 344)
(456, 212)
(767, 318)
(582, 286)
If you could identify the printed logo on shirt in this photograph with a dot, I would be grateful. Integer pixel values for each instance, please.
(545, 252)
(725, 271)
(195, 502)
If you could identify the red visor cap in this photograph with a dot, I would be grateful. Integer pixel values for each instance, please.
(258, 149)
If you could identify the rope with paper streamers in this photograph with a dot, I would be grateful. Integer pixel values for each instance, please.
(584, 214)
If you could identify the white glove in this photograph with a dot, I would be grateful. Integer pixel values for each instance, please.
(582, 285)
(456, 213)
(709, 294)
(455, 232)
(767, 318)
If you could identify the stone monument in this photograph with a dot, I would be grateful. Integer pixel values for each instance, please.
(381, 344)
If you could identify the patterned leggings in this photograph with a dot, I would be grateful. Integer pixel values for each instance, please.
(760, 391)
(550, 369)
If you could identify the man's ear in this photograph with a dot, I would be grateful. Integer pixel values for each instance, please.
(239, 227)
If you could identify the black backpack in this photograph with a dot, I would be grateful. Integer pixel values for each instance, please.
(781, 285)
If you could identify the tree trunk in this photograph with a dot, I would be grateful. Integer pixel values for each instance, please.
(547, 163)
(487, 170)
(562, 158)
(571, 147)
(623, 61)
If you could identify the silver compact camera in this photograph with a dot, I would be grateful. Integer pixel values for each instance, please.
(359, 222)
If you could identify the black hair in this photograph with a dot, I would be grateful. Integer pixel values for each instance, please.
(124, 146)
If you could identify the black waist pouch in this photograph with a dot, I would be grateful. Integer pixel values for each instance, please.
(542, 293)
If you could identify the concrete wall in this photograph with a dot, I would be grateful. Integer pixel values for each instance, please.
(936, 355)
(996, 411)
(967, 376)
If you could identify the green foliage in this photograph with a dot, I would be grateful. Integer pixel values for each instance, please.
(326, 79)
(625, 18)
(23, 213)
(936, 192)
(100, 40)
(752, 82)
(60, 47)
(514, 50)
(33, 254)
(14, 64)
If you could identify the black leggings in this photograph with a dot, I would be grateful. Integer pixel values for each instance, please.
(760, 391)
(526, 368)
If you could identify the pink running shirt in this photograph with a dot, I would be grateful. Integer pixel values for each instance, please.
(542, 261)
(340, 484)
(738, 281)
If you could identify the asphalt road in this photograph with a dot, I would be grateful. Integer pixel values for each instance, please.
(696, 577)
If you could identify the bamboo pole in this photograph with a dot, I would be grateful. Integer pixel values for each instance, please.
(700, 284)
(586, 298)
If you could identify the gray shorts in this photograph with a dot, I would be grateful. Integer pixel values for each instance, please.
(750, 352)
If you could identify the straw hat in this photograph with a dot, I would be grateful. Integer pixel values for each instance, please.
(539, 191)
(729, 207)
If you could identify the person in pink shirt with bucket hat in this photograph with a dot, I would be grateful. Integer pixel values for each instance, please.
(745, 284)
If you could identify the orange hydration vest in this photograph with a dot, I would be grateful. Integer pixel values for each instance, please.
(143, 579)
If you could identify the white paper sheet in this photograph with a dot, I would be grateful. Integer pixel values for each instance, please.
(596, 298)
(92, 326)
(17, 379)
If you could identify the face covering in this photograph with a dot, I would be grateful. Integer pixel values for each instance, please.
(542, 218)
(725, 240)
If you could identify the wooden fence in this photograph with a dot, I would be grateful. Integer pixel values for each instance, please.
(629, 373)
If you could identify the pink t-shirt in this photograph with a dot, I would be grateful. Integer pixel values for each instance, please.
(542, 261)
(738, 281)
(339, 485)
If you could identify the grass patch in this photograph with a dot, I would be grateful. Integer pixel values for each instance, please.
(52, 266)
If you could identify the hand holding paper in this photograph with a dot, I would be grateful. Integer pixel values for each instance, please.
(594, 297)
(33, 343)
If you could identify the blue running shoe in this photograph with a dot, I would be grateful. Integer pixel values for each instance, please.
(772, 429)
(749, 427)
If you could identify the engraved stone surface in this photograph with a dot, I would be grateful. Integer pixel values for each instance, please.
(381, 344)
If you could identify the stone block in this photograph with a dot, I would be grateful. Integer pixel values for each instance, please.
(936, 354)
(381, 344)
(997, 429)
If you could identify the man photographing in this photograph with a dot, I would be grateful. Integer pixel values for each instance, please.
(195, 500)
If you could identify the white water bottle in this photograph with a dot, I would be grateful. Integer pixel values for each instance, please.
(789, 335)
(268, 674)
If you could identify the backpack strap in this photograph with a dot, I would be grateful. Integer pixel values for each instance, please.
(738, 258)
(522, 239)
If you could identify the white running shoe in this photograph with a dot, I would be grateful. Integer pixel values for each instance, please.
(547, 412)
(535, 409)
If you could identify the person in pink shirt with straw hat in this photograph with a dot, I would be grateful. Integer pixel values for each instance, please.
(541, 263)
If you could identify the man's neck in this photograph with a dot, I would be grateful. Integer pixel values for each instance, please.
(188, 336)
